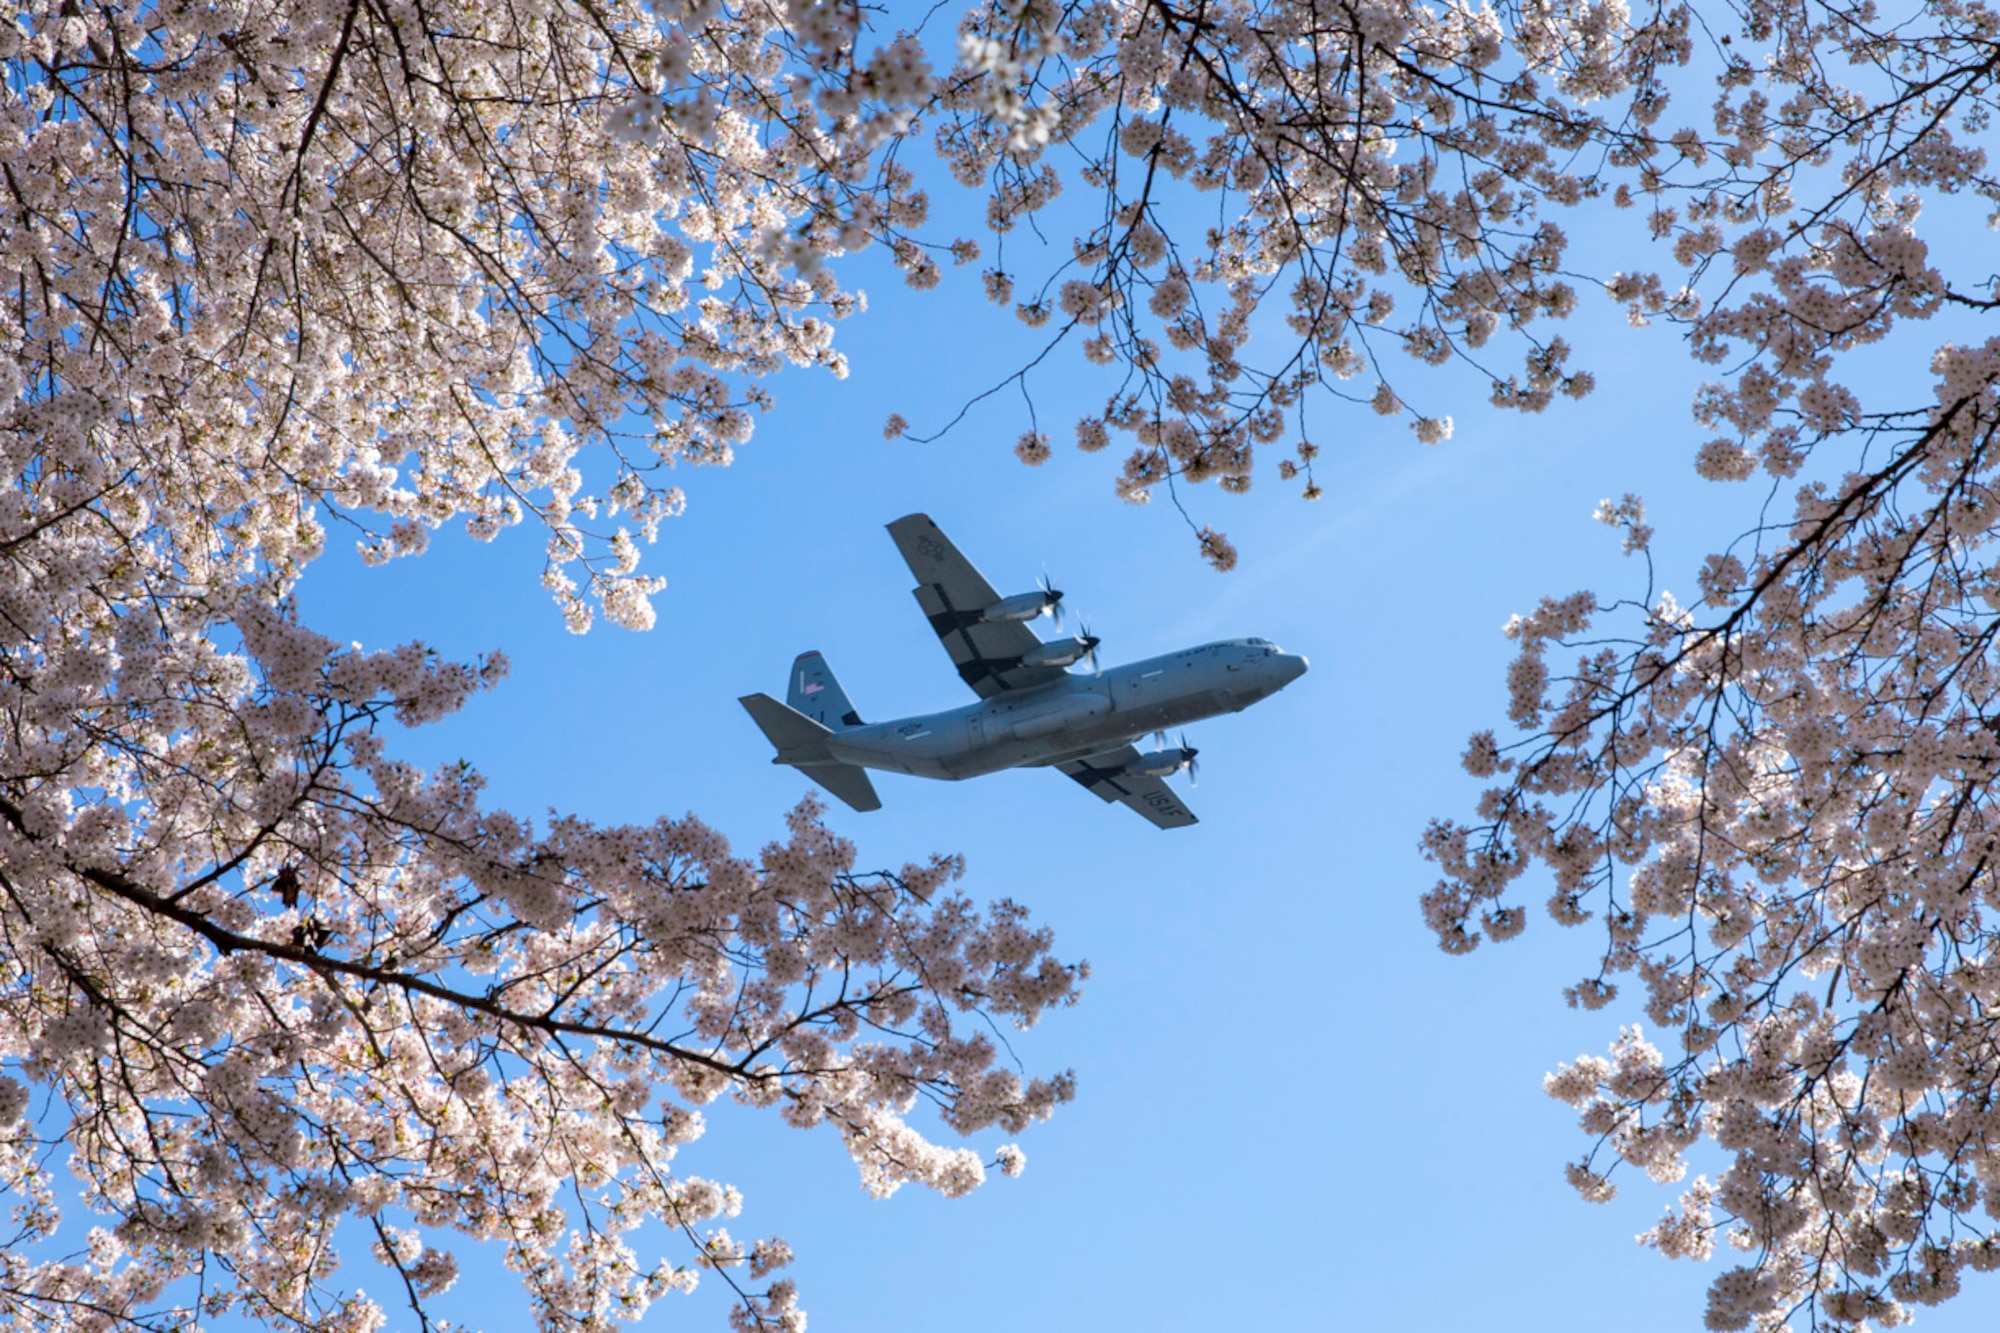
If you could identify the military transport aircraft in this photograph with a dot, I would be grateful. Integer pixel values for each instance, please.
(1031, 712)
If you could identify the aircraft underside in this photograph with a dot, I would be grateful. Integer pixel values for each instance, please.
(1033, 712)
(949, 746)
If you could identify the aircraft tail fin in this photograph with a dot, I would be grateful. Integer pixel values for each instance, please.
(818, 695)
(801, 742)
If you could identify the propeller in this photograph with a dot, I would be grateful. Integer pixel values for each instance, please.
(1188, 753)
(1090, 642)
(1053, 596)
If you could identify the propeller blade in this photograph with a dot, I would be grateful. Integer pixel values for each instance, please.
(1053, 596)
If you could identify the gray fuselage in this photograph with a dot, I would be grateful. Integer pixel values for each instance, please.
(1076, 716)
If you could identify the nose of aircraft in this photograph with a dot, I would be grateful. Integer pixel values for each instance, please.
(1292, 666)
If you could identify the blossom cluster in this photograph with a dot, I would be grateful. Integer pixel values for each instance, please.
(277, 980)
(274, 270)
(411, 264)
(1348, 183)
(1775, 801)
(1781, 810)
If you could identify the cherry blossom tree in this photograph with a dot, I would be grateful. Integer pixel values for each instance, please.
(1776, 802)
(275, 269)
(280, 269)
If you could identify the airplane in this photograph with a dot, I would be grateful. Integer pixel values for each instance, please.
(1032, 710)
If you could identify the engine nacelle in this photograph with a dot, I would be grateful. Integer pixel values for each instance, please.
(1026, 606)
(1161, 763)
(1061, 653)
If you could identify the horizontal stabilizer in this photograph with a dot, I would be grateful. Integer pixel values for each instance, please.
(799, 739)
(847, 781)
(801, 742)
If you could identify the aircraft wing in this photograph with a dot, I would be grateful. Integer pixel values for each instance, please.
(1151, 797)
(952, 593)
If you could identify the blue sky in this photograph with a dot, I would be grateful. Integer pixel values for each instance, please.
(1293, 1110)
